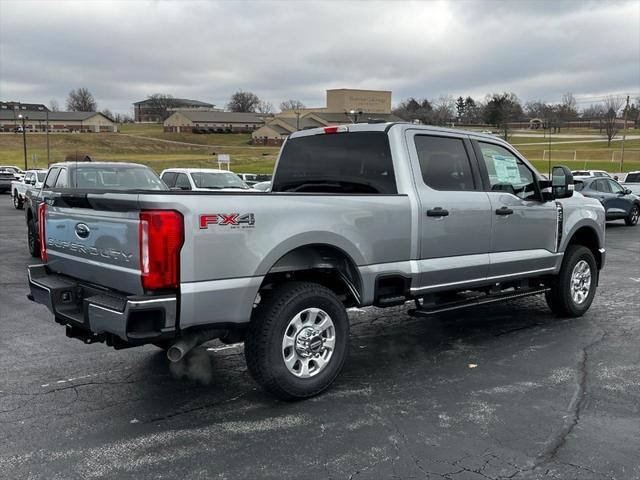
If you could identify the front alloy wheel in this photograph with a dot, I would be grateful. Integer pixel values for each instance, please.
(572, 291)
(634, 216)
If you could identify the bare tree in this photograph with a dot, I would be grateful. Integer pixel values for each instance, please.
(81, 100)
(612, 105)
(53, 105)
(243, 102)
(265, 108)
(443, 110)
(160, 104)
(294, 105)
(107, 113)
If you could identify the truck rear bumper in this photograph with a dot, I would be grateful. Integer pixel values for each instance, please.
(98, 315)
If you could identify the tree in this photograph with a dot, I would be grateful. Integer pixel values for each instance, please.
(160, 105)
(81, 100)
(295, 105)
(414, 110)
(460, 105)
(502, 108)
(443, 110)
(243, 102)
(612, 105)
(53, 105)
(472, 111)
(265, 108)
(107, 113)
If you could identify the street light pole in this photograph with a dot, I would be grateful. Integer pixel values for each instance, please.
(24, 140)
(47, 138)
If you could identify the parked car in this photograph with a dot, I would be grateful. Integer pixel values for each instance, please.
(6, 177)
(619, 202)
(32, 180)
(18, 173)
(580, 174)
(86, 177)
(632, 182)
(262, 186)
(359, 215)
(203, 179)
(253, 178)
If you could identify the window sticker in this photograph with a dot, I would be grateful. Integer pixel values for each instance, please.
(506, 168)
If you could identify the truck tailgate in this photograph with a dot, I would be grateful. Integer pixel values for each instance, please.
(94, 245)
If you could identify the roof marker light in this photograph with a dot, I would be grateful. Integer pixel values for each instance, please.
(336, 129)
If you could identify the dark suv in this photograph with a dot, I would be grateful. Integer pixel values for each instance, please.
(619, 202)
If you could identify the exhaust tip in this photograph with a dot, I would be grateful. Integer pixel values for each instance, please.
(175, 354)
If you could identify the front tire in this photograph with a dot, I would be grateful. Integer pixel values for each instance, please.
(17, 201)
(32, 238)
(297, 340)
(573, 290)
(634, 215)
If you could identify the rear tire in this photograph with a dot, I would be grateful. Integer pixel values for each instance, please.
(32, 238)
(634, 215)
(17, 201)
(573, 290)
(297, 340)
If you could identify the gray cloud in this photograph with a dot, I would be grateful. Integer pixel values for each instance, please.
(124, 51)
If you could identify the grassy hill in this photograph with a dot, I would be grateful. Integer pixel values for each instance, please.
(150, 145)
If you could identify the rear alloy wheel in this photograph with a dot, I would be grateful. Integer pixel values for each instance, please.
(575, 286)
(633, 217)
(297, 340)
(17, 201)
(32, 238)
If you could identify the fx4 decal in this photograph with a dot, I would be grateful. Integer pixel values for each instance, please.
(230, 219)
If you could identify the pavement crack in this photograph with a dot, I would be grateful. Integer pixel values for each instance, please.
(575, 408)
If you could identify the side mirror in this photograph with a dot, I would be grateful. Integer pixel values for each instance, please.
(627, 191)
(561, 182)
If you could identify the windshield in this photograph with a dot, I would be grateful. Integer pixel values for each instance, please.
(218, 180)
(41, 176)
(116, 178)
(580, 173)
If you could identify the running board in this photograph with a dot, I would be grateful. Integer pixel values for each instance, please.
(425, 311)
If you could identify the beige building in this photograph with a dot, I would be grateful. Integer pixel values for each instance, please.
(187, 121)
(36, 121)
(343, 106)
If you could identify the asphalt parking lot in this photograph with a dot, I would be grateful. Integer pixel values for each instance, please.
(503, 391)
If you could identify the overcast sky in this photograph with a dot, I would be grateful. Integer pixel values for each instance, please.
(122, 51)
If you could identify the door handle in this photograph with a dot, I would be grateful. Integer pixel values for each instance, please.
(504, 211)
(437, 212)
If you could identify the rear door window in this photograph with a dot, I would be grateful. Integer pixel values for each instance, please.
(182, 182)
(52, 177)
(347, 162)
(169, 178)
(61, 181)
(601, 186)
(444, 163)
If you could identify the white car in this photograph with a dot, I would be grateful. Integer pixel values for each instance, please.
(18, 173)
(580, 174)
(203, 179)
(32, 180)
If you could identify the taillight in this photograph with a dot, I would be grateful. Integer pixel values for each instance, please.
(161, 238)
(42, 211)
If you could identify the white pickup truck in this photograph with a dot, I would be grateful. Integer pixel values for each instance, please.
(31, 179)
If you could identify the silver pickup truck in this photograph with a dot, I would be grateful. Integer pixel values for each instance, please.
(366, 214)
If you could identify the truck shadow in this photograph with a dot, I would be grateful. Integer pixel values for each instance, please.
(387, 347)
